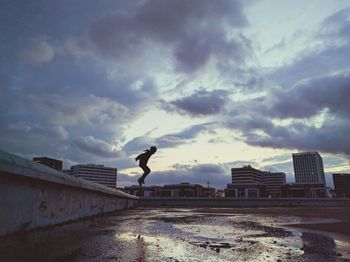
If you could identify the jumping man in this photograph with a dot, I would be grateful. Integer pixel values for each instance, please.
(143, 158)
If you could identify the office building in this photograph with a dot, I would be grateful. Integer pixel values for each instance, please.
(341, 184)
(250, 182)
(273, 183)
(220, 193)
(246, 182)
(50, 162)
(100, 174)
(304, 190)
(308, 168)
(309, 177)
(171, 190)
(182, 190)
(246, 175)
(245, 191)
(208, 192)
(143, 191)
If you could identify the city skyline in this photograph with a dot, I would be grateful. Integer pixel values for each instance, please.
(328, 181)
(212, 84)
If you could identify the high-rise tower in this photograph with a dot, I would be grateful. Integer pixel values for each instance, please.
(308, 168)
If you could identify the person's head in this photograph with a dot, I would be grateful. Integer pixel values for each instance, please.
(153, 149)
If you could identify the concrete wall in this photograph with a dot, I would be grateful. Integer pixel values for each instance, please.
(33, 196)
(246, 202)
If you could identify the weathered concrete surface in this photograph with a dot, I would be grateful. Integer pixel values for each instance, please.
(33, 196)
(236, 202)
(170, 234)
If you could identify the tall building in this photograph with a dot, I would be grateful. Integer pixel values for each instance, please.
(342, 184)
(308, 168)
(100, 174)
(50, 162)
(273, 183)
(309, 177)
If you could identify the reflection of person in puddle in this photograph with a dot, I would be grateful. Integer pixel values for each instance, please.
(143, 158)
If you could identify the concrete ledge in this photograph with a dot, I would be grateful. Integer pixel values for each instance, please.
(247, 202)
(18, 166)
(34, 196)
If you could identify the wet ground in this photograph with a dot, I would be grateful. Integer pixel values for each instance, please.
(179, 235)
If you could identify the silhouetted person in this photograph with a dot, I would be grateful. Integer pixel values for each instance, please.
(143, 158)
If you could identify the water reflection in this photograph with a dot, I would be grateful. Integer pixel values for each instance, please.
(146, 246)
(161, 235)
(321, 245)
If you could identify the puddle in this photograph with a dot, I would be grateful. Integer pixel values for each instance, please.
(178, 235)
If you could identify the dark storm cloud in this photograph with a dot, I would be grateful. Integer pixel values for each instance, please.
(54, 18)
(169, 140)
(72, 76)
(330, 94)
(287, 167)
(60, 95)
(138, 144)
(316, 81)
(30, 139)
(250, 124)
(195, 31)
(330, 137)
(199, 103)
(309, 97)
(26, 129)
(336, 25)
(74, 110)
(96, 147)
(332, 55)
(185, 136)
(278, 46)
(74, 107)
(201, 174)
(312, 64)
(239, 163)
(69, 96)
(279, 158)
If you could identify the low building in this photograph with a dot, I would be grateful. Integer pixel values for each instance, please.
(50, 162)
(246, 175)
(99, 174)
(182, 190)
(304, 190)
(273, 183)
(245, 190)
(208, 192)
(171, 190)
(143, 191)
(250, 182)
(341, 184)
(220, 193)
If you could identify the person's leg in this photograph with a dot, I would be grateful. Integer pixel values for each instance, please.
(146, 171)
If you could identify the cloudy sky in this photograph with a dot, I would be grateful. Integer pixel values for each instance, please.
(213, 84)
